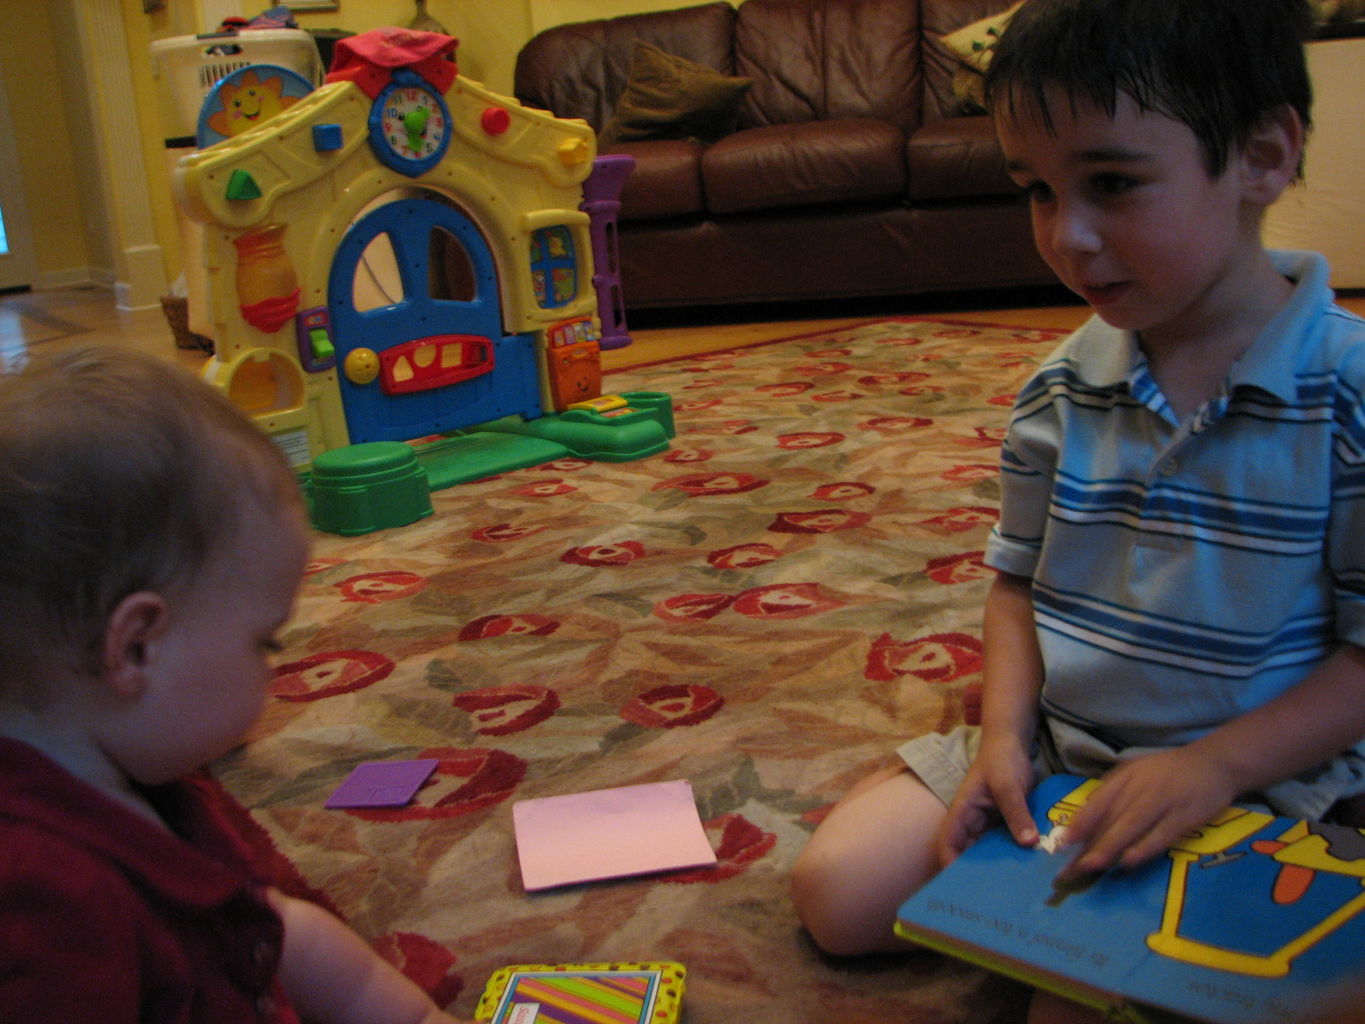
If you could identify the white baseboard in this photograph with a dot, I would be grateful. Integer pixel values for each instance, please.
(73, 277)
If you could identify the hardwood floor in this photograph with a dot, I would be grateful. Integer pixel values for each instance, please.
(30, 321)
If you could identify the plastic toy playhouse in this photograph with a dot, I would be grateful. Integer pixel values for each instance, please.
(400, 281)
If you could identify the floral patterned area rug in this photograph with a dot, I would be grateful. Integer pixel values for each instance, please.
(765, 610)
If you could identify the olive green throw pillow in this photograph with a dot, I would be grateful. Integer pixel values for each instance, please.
(670, 97)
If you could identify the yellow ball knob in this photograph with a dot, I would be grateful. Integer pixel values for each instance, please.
(361, 366)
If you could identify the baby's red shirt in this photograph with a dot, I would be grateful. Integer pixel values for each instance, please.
(106, 918)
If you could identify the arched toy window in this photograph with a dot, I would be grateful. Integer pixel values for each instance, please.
(554, 267)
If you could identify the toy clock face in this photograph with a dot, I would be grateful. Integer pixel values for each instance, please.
(409, 124)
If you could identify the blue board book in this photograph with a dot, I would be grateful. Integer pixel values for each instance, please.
(1252, 919)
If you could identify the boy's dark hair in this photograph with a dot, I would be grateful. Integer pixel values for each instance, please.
(1218, 66)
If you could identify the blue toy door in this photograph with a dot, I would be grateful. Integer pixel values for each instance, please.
(417, 324)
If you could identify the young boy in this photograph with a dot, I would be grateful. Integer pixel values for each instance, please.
(153, 543)
(1181, 547)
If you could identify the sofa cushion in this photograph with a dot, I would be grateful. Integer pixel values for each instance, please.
(786, 165)
(813, 60)
(957, 158)
(670, 97)
(666, 181)
(581, 69)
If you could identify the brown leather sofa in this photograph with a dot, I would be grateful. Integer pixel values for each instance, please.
(851, 171)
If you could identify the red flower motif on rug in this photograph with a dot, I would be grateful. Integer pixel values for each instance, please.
(744, 556)
(667, 707)
(971, 704)
(683, 455)
(374, 587)
(873, 380)
(464, 781)
(828, 520)
(808, 439)
(970, 474)
(962, 568)
(938, 658)
(543, 489)
(741, 843)
(896, 424)
(503, 710)
(836, 396)
(328, 674)
(845, 491)
(504, 532)
(732, 428)
(705, 484)
(524, 624)
(790, 390)
(823, 369)
(426, 963)
(985, 437)
(604, 555)
(785, 601)
(693, 607)
(964, 517)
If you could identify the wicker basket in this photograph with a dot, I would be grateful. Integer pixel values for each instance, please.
(177, 310)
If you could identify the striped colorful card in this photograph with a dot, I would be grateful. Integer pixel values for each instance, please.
(617, 993)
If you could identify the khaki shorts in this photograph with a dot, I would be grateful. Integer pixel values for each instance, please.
(941, 760)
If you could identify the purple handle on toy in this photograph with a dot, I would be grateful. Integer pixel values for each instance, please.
(602, 202)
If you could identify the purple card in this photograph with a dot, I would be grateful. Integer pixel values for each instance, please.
(381, 784)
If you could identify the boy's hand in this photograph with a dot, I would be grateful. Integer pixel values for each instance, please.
(1142, 807)
(996, 786)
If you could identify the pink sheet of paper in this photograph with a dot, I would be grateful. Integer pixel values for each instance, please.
(609, 833)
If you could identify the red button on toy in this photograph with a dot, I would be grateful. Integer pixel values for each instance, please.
(495, 120)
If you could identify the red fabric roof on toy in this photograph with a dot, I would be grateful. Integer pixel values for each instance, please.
(370, 59)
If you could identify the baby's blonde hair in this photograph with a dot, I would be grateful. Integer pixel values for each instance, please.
(119, 472)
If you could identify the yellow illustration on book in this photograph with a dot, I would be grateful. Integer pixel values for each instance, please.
(1303, 854)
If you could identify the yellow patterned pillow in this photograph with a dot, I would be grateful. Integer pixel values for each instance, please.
(973, 45)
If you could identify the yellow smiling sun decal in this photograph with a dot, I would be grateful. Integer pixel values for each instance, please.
(248, 103)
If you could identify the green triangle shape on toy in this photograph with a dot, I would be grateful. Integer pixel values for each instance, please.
(242, 186)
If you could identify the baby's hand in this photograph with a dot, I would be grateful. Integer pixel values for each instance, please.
(1142, 807)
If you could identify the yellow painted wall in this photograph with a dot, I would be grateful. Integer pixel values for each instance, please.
(43, 136)
(39, 63)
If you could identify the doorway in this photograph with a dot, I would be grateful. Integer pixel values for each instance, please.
(417, 320)
(18, 264)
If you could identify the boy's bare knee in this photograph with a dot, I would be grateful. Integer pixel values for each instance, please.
(833, 907)
(813, 876)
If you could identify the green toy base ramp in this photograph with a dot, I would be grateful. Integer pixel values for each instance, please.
(479, 454)
(640, 429)
(374, 485)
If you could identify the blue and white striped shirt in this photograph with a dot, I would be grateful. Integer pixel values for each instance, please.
(1187, 572)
